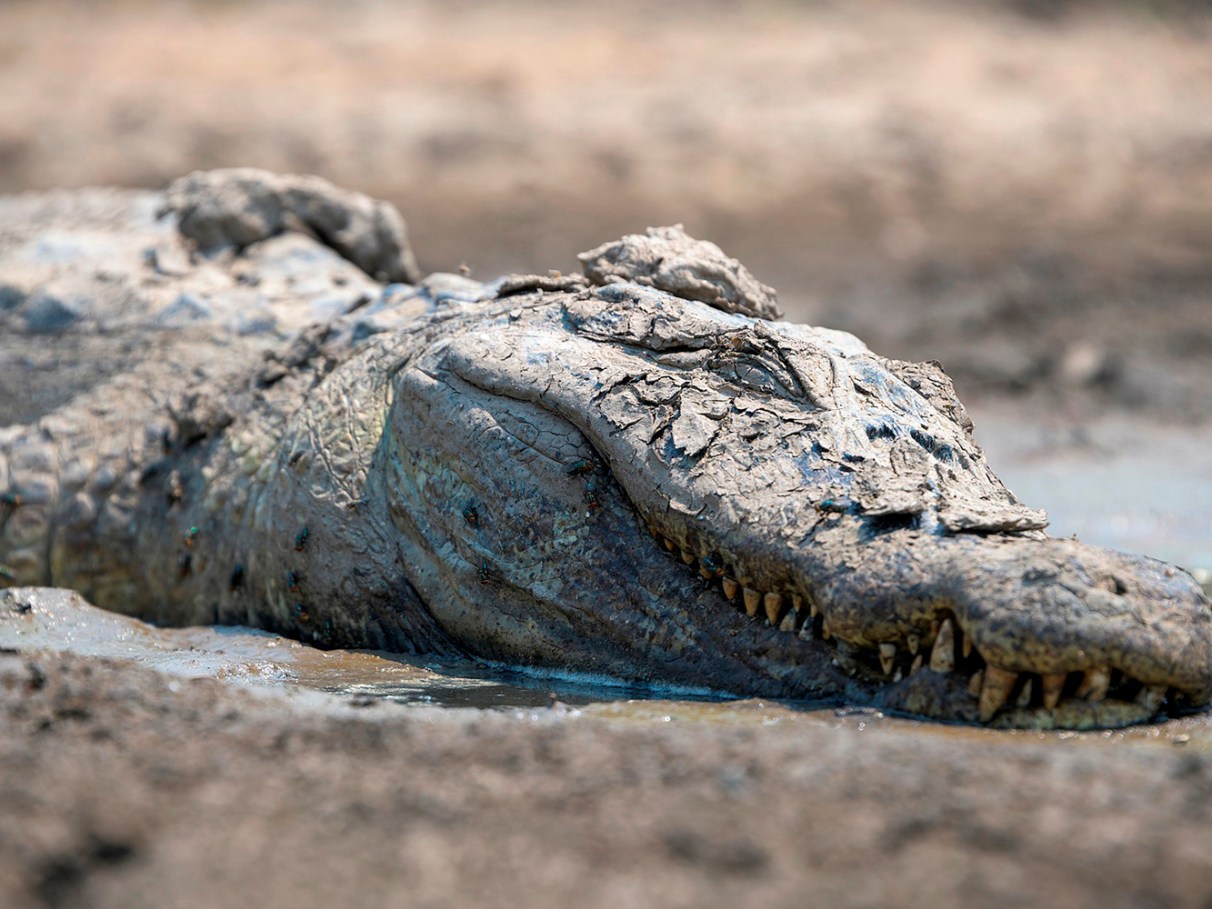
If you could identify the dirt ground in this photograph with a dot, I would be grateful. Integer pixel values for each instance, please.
(126, 787)
(1020, 190)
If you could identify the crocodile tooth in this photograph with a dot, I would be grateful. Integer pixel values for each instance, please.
(1053, 684)
(797, 603)
(789, 621)
(815, 609)
(1094, 684)
(887, 656)
(669, 544)
(825, 632)
(705, 573)
(753, 599)
(899, 675)
(774, 607)
(942, 658)
(1151, 696)
(730, 588)
(914, 641)
(917, 664)
(995, 691)
(689, 557)
(966, 646)
(976, 683)
(1024, 696)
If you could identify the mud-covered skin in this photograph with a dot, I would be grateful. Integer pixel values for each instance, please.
(596, 477)
(670, 260)
(242, 206)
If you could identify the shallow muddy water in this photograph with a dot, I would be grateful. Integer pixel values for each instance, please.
(248, 657)
(327, 680)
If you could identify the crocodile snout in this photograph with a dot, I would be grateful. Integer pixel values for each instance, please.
(1091, 624)
(1037, 632)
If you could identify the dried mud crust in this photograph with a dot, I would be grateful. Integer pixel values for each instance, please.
(238, 208)
(949, 181)
(118, 781)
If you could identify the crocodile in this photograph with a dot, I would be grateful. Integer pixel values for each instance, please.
(638, 471)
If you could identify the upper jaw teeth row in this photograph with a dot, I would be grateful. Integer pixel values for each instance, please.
(991, 685)
(785, 611)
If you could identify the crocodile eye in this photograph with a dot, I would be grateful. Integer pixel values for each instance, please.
(750, 360)
(762, 374)
(757, 377)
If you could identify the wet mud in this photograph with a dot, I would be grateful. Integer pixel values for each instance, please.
(1123, 481)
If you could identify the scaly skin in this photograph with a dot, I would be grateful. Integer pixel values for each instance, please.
(592, 474)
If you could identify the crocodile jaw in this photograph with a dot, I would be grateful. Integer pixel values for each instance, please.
(1040, 632)
(1001, 630)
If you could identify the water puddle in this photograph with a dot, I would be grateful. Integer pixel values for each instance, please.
(468, 683)
(59, 620)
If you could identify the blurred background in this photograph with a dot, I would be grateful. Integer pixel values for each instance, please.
(1021, 189)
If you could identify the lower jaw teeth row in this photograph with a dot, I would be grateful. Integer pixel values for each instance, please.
(993, 686)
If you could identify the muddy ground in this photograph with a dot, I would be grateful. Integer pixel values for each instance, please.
(1022, 191)
(122, 786)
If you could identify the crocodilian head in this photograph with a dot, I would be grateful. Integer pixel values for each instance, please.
(619, 480)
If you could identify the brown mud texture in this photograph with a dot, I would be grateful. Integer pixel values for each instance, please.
(1021, 190)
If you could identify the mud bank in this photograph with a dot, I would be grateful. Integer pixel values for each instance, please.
(126, 786)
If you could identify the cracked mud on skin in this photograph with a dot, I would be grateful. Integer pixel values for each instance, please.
(634, 473)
